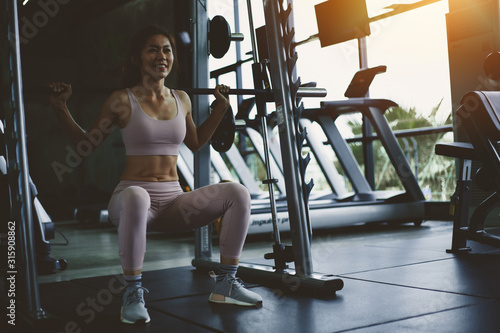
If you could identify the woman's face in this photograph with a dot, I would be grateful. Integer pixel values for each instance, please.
(157, 57)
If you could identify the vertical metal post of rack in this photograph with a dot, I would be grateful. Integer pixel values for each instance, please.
(238, 72)
(280, 262)
(367, 126)
(18, 174)
(199, 29)
(298, 216)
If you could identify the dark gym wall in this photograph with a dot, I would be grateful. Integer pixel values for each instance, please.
(87, 52)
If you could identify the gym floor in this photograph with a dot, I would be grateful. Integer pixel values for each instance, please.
(396, 279)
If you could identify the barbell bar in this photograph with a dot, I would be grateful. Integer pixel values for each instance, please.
(302, 92)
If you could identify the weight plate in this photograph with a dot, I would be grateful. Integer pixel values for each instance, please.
(223, 137)
(219, 36)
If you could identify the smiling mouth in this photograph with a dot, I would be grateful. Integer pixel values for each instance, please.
(161, 67)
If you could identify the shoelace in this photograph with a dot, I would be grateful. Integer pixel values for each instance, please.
(233, 281)
(236, 283)
(136, 296)
(236, 280)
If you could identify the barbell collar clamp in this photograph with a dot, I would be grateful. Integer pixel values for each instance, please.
(237, 37)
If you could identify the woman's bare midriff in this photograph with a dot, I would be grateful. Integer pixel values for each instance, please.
(151, 168)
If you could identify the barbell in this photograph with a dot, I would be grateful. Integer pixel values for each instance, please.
(268, 94)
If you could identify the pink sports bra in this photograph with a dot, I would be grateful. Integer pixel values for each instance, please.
(144, 135)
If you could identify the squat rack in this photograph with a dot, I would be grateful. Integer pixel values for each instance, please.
(279, 38)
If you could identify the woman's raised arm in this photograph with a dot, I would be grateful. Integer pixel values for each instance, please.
(198, 137)
(114, 110)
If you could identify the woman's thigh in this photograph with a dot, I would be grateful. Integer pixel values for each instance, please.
(202, 206)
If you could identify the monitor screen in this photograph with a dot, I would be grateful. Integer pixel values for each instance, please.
(341, 20)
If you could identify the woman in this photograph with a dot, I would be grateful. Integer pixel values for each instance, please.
(154, 121)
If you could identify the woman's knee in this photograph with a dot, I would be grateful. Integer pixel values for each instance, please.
(238, 193)
(135, 197)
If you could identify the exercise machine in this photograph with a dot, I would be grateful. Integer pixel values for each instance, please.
(23, 267)
(42, 223)
(479, 115)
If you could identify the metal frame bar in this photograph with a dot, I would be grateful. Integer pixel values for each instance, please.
(237, 69)
(298, 216)
(344, 154)
(367, 126)
(199, 19)
(18, 174)
(335, 180)
(274, 147)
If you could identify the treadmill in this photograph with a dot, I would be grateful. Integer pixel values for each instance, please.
(362, 204)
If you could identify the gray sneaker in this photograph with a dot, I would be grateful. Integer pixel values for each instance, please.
(133, 309)
(232, 291)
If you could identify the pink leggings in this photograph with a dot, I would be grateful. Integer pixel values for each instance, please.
(138, 206)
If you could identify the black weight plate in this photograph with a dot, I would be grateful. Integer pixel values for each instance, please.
(223, 136)
(220, 36)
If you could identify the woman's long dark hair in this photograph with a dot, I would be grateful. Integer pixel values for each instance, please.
(131, 72)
